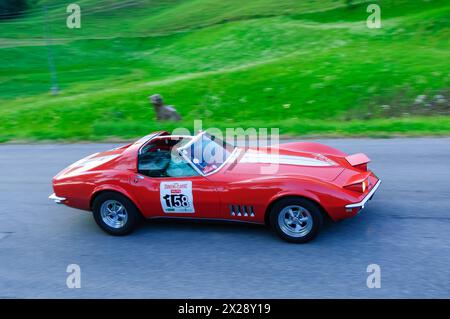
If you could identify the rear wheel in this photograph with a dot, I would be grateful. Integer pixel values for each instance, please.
(115, 213)
(296, 220)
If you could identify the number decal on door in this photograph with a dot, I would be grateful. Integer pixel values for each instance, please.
(176, 197)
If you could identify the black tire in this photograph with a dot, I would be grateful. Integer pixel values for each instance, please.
(313, 215)
(133, 215)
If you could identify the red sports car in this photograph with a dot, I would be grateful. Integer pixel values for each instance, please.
(291, 187)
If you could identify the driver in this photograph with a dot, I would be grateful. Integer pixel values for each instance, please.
(178, 166)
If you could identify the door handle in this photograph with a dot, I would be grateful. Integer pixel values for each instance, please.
(137, 177)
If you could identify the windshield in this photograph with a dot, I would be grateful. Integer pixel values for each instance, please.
(207, 153)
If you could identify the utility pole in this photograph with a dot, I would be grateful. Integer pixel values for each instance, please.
(51, 62)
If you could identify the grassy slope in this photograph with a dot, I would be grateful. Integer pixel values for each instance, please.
(308, 67)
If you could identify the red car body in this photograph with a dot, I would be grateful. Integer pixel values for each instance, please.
(338, 183)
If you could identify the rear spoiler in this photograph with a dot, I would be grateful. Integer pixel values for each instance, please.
(359, 160)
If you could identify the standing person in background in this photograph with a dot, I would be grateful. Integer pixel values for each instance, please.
(163, 112)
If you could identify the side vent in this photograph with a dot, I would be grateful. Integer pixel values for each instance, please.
(241, 210)
(232, 211)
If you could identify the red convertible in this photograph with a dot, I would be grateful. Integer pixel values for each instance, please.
(291, 187)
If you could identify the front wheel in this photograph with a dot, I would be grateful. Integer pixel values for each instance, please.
(296, 220)
(115, 213)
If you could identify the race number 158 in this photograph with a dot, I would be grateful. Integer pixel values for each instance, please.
(176, 200)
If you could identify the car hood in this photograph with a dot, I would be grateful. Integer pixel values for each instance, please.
(92, 162)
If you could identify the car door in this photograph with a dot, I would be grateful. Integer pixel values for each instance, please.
(191, 197)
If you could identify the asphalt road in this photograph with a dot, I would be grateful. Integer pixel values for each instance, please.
(405, 229)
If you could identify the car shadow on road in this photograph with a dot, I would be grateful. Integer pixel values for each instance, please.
(196, 228)
(204, 226)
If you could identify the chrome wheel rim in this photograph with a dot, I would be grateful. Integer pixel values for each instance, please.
(114, 214)
(295, 221)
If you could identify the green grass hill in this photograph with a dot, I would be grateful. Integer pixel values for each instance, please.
(306, 67)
